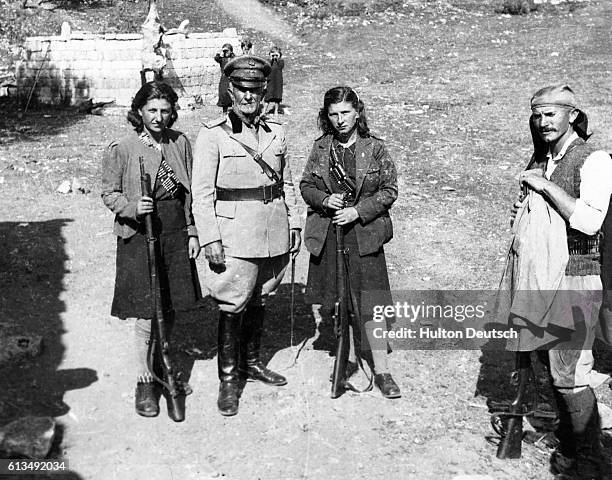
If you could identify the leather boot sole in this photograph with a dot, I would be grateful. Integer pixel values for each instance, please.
(271, 384)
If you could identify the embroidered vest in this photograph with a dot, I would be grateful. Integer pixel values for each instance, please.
(584, 250)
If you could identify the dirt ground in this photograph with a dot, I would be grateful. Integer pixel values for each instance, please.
(446, 84)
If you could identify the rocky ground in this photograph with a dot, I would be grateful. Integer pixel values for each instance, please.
(447, 85)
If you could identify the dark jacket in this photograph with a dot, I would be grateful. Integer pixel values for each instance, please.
(376, 180)
(121, 188)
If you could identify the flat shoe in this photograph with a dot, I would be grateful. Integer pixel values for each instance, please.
(146, 400)
(387, 386)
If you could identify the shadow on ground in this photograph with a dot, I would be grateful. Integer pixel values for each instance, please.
(34, 124)
(195, 333)
(32, 269)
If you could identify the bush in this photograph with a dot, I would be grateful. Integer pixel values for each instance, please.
(517, 7)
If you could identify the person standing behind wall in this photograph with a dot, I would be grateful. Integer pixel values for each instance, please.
(247, 47)
(223, 58)
(274, 92)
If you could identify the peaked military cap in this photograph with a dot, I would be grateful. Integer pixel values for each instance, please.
(248, 71)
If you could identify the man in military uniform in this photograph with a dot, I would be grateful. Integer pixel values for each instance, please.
(244, 200)
(575, 180)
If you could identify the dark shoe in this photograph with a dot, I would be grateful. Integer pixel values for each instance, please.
(147, 399)
(228, 358)
(258, 371)
(229, 395)
(252, 327)
(387, 386)
(566, 468)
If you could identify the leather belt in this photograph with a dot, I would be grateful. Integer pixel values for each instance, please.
(583, 246)
(265, 194)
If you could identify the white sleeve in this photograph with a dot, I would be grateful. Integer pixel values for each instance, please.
(595, 191)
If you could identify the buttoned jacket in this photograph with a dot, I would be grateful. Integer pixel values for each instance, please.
(251, 228)
(376, 190)
(121, 187)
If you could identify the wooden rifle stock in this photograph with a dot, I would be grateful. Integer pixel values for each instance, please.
(510, 444)
(176, 408)
(341, 319)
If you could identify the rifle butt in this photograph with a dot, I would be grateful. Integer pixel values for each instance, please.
(175, 403)
(342, 352)
(339, 372)
(338, 380)
(510, 445)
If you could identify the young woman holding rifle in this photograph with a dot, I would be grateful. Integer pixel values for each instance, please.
(165, 155)
(360, 205)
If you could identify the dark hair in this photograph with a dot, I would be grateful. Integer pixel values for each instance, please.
(151, 91)
(246, 43)
(277, 50)
(540, 147)
(338, 95)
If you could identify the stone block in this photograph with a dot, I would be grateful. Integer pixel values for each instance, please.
(92, 54)
(29, 437)
(80, 65)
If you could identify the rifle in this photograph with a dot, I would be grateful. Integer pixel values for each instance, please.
(512, 434)
(341, 319)
(341, 316)
(176, 409)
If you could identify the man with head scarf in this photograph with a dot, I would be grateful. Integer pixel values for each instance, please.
(244, 197)
(576, 181)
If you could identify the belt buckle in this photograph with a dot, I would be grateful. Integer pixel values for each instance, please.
(267, 199)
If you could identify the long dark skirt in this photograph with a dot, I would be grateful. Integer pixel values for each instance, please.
(366, 273)
(274, 90)
(177, 281)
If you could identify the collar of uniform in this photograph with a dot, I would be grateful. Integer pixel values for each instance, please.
(557, 158)
(237, 123)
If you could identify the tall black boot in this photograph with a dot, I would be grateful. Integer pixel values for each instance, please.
(579, 454)
(228, 362)
(252, 326)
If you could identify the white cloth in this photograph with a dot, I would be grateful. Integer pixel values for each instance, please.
(536, 260)
(595, 188)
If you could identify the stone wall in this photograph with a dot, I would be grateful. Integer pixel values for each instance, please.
(77, 66)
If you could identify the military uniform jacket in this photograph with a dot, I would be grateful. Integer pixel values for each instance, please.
(121, 188)
(376, 183)
(247, 229)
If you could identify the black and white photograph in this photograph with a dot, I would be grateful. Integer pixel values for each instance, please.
(306, 240)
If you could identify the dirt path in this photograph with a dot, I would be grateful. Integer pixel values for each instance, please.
(447, 87)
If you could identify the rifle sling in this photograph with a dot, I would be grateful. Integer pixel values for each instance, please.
(258, 157)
